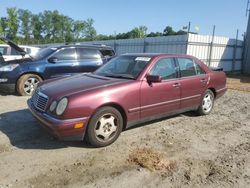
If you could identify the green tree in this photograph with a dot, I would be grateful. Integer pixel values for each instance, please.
(12, 23)
(36, 27)
(47, 24)
(156, 34)
(79, 29)
(168, 31)
(25, 29)
(68, 29)
(3, 25)
(138, 32)
(89, 31)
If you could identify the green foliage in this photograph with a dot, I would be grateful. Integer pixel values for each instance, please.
(25, 18)
(89, 31)
(12, 23)
(52, 27)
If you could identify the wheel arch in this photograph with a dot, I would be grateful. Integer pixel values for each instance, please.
(35, 73)
(213, 90)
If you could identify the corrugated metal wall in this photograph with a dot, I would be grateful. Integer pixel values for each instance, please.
(170, 44)
(214, 51)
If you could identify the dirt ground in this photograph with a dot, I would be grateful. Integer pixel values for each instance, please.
(180, 151)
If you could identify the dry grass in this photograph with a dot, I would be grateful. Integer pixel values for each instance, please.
(147, 158)
(238, 82)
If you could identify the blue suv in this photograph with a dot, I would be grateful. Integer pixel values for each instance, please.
(24, 74)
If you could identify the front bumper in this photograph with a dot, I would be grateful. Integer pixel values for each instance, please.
(7, 88)
(61, 129)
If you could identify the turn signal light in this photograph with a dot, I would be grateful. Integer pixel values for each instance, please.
(79, 125)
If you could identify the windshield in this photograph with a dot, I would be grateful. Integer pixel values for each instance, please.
(44, 53)
(124, 67)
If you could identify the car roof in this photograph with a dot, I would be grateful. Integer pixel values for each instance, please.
(97, 46)
(157, 55)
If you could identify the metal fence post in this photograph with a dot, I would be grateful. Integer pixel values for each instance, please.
(115, 45)
(144, 45)
(235, 51)
(211, 48)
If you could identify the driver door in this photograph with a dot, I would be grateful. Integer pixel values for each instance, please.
(64, 63)
(163, 97)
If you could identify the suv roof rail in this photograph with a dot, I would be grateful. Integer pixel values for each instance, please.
(99, 44)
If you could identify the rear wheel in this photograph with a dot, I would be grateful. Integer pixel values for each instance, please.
(27, 84)
(207, 103)
(105, 127)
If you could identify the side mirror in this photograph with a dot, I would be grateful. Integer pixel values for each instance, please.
(153, 78)
(52, 59)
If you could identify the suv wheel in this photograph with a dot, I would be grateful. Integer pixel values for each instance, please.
(27, 84)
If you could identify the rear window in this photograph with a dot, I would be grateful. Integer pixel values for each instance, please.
(14, 52)
(85, 53)
(107, 53)
(189, 68)
(3, 50)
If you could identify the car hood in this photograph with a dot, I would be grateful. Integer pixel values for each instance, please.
(16, 61)
(74, 84)
(13, 45)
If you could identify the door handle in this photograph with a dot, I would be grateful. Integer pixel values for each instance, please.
(176, 85)
(203, 80)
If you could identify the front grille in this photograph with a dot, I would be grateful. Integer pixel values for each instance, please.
(40, 100)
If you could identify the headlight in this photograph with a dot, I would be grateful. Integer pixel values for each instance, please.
(61, 106)
(53, 106)
(8, 68)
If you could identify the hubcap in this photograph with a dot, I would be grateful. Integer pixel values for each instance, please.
(30, 85)
(207, 103)
(106, 127)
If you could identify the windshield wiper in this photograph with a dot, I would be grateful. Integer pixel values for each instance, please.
(126, 76)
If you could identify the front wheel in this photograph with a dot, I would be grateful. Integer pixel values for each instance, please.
(207, 103)
(105, 127)
(27, 84)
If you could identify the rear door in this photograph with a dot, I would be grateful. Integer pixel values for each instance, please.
(163, 97)
(64, 65)
(193, 81)
(88, 59)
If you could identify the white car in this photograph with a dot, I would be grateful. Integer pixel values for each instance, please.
(10, 53)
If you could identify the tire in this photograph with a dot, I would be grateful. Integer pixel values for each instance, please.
(104, 127)
(27, 84)
(207, 103)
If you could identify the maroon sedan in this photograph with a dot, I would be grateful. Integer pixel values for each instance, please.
(130, 89)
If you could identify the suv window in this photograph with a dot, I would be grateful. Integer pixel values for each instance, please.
(164, 68)
(189, 68)
(106, 52)
(3, 50)
(66, 54)
(14, 52)
(85, 53)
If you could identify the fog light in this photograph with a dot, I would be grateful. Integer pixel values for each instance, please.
(3, 80)
(79, 125)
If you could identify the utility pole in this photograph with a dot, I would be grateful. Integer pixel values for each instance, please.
(189, 27)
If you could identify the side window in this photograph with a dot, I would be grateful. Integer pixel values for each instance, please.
(189, 68)
(164, 68)
(3, 50)
(84, 53)
(199, 70)
(14, 52)
(107, 53)
(28, 50)
(66, 54)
